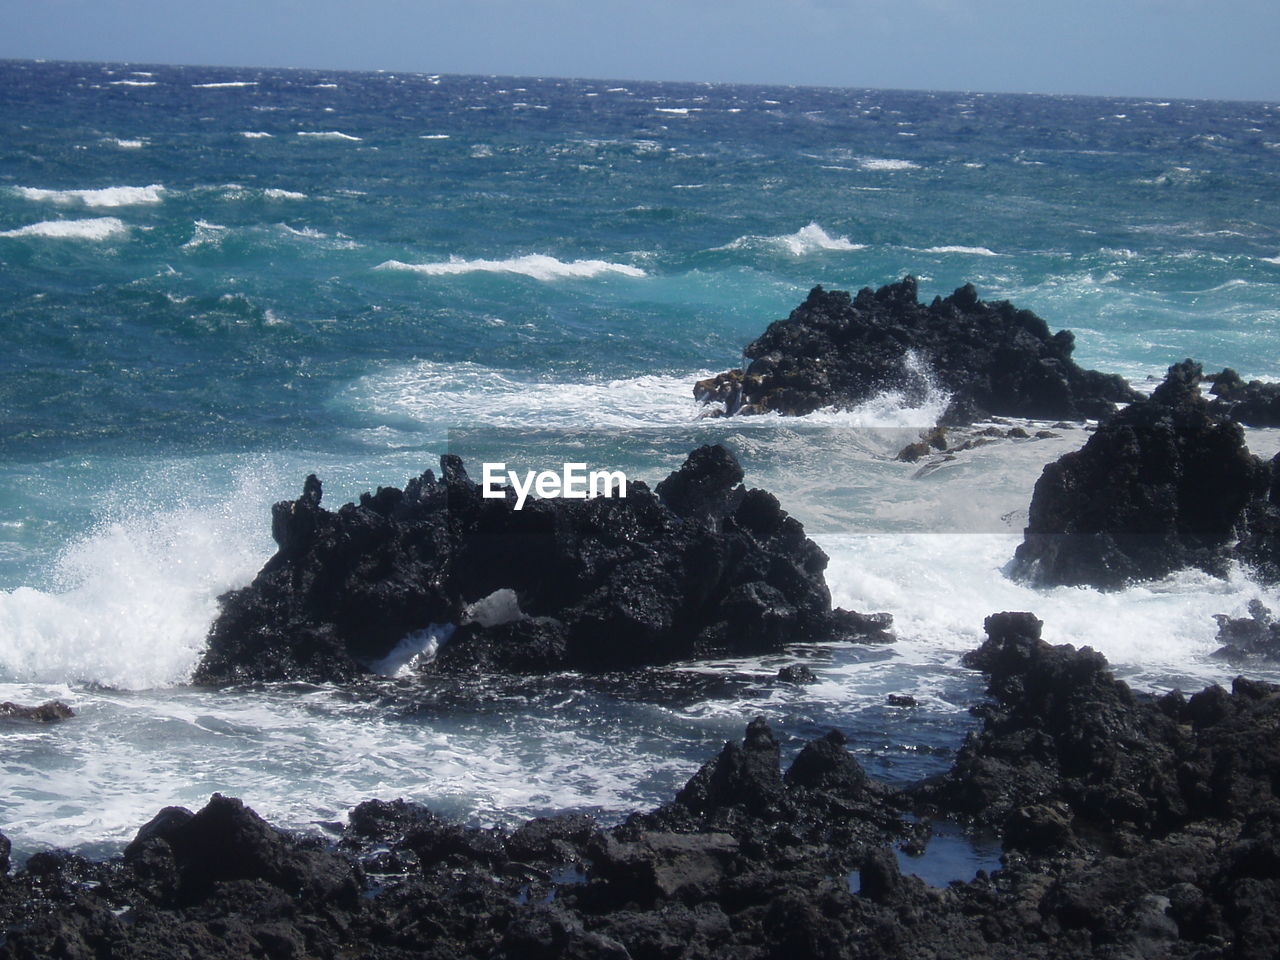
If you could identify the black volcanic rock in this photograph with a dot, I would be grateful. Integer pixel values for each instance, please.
(1165, 484)
(1255, 637)
(837, 350)
(1133, 827)
(1255, 404)
(701, 567)
(48, 712)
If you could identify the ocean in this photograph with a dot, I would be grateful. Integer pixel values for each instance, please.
(216, 281)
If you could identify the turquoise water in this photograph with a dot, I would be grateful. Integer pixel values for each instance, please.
(218, 281)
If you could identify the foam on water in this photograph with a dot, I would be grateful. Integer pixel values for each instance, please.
(255, 134)
(129, 605)
(975, 251)
(328, 135)
(807, 240)
(224, 84)
(98, 228)
(536, 265)
(100, 197)
(886, 164)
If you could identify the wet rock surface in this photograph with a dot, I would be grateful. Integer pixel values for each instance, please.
(838, 350)
(1167, 483)
(1255, 404)
(1133, 826)
(1255, 637)
(702, 566)
(48, 712)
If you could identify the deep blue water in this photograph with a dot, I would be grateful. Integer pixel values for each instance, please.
(215, 281)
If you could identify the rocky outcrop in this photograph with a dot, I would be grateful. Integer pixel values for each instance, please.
(700, 566)
(838, 350)
(1255, 637)
(48, 712)
(1133, 826)
(1255, 404)
(1165, 484)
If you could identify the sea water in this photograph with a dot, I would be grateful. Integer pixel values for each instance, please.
(217, 281)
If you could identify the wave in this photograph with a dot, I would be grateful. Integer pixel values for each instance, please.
(1275, 260)
(129, 605)
(205, 235)
(224, 84)
(124, 144)
(886, 163)
(536, 265)
(132, 83)
(101, 197)
(328, 135)
(434, 136)
(806, 240)
(275, 193)
(255, 134)
(451, 394)
(99, 228)
(975, 251)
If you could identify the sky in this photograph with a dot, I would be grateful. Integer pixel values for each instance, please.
(1158, 48)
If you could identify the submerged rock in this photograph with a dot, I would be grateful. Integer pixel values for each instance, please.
(1167, 483)
(48, 712)
(838, 350)
(702, 566)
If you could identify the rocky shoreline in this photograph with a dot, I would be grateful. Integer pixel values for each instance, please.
(1132, 826)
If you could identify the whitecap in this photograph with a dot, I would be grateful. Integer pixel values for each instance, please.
(434, 136)
(808, 239)
(328, 135)
(536, 265)
(886, 163)
(275, 193)
(133, 83)
(101, 197)
(205, 234)
(255, 134)
(124, 144)
(953, 248)
(99, 228)
(224, 84)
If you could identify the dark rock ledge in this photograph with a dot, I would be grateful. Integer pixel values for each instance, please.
(838, 350)
(1167, 483)
(699, 566)
(1133, 827)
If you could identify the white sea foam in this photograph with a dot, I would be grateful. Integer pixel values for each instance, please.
(536, 265)
(974, 251)
(124, 144)
(130, 604)
(255, 134)
(807, 240)
(205, 235)
(224, 84)
(100, 197)
(98, 228)
(328, 135)
(275, 193)
(133, 83)
(1275, 260)
(886, 164)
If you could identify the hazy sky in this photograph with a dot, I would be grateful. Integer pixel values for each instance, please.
(1166, 48)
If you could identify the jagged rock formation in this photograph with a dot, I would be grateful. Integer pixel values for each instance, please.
(837, 350)
(1255, 404)
(1255, 637)
(701, 566)
(1133, 827)
(1167, 483)
(49, 712)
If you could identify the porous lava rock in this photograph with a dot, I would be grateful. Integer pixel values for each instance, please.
(840, 350)
(700, 566)
(1133, 826)
(1255, 404)
(1165, 484)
